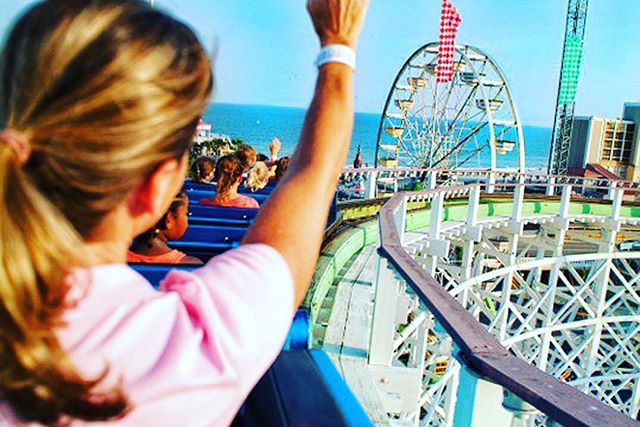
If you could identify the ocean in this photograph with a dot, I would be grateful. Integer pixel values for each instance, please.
(258, 124)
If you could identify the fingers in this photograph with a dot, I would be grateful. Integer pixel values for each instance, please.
(338, 21)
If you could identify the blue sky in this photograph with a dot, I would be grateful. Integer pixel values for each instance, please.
(266, 48)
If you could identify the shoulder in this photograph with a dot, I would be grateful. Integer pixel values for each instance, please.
(249, 202)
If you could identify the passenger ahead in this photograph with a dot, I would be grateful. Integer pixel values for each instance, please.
(203, 170)
(99, 101)
(228, 175)
(151, 246)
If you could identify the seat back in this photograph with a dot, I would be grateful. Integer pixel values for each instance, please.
(302, 388)
(206, 241)
(220, 215)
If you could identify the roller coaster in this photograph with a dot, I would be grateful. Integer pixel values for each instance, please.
(486, 284)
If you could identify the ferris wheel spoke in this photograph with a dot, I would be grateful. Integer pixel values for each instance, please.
(443, 112)
(462, 129)
(472, 155)
(477, 117)
(459, 144)
(463, 108)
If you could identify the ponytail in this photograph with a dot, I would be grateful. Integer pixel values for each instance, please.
(37, 247)
(228, 171)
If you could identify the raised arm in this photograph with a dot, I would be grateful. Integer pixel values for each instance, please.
(293, 219)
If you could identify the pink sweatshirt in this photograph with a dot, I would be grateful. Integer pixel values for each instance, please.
(190, 354)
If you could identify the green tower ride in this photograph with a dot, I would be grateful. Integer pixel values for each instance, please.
(568, 86)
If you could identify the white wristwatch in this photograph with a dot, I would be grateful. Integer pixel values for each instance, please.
(336, 53)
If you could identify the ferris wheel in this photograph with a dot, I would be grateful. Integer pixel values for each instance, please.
(470, 122)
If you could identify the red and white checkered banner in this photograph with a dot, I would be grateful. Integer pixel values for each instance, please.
(449, 23)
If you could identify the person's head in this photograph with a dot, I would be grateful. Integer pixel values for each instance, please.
(229, 171)
(247, 155)
(282, 166)
(203, 169)
(101, 99)
(257, 177)
(171, 226)
(262, 158)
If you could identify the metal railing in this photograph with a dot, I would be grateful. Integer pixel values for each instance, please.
(367, 183)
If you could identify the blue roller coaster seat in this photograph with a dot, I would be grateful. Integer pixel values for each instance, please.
(206, 241)
(219, 215)
(302, 388)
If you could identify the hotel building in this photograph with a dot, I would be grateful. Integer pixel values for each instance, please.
(612, 144)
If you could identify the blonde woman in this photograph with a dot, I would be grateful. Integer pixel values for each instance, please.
(99, 100)
(257, 177)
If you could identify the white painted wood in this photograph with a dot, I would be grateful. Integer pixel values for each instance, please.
(384, 314)
(399, 387)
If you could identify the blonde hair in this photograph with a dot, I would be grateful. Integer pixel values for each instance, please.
(257, 176)
(247, 155)
(105, 91)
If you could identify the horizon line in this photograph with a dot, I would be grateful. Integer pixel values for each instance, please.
(297, 107)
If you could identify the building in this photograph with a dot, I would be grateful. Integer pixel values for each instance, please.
(612, 144)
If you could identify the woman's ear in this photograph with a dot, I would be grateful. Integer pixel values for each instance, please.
(170, 220)
(152, 197)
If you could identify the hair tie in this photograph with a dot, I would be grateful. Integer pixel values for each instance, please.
(18, 143)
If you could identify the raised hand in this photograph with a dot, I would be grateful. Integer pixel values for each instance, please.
(338, 21)
(274, 148)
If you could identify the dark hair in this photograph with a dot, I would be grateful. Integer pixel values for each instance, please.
(262, 158)
(202, 167)
(282, 166)
(247, 155)
(228, 170)
(147, 237)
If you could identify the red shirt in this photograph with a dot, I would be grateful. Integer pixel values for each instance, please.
(171, 257)
(238, 202)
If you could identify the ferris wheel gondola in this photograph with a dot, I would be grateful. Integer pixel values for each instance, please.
(469, 122)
